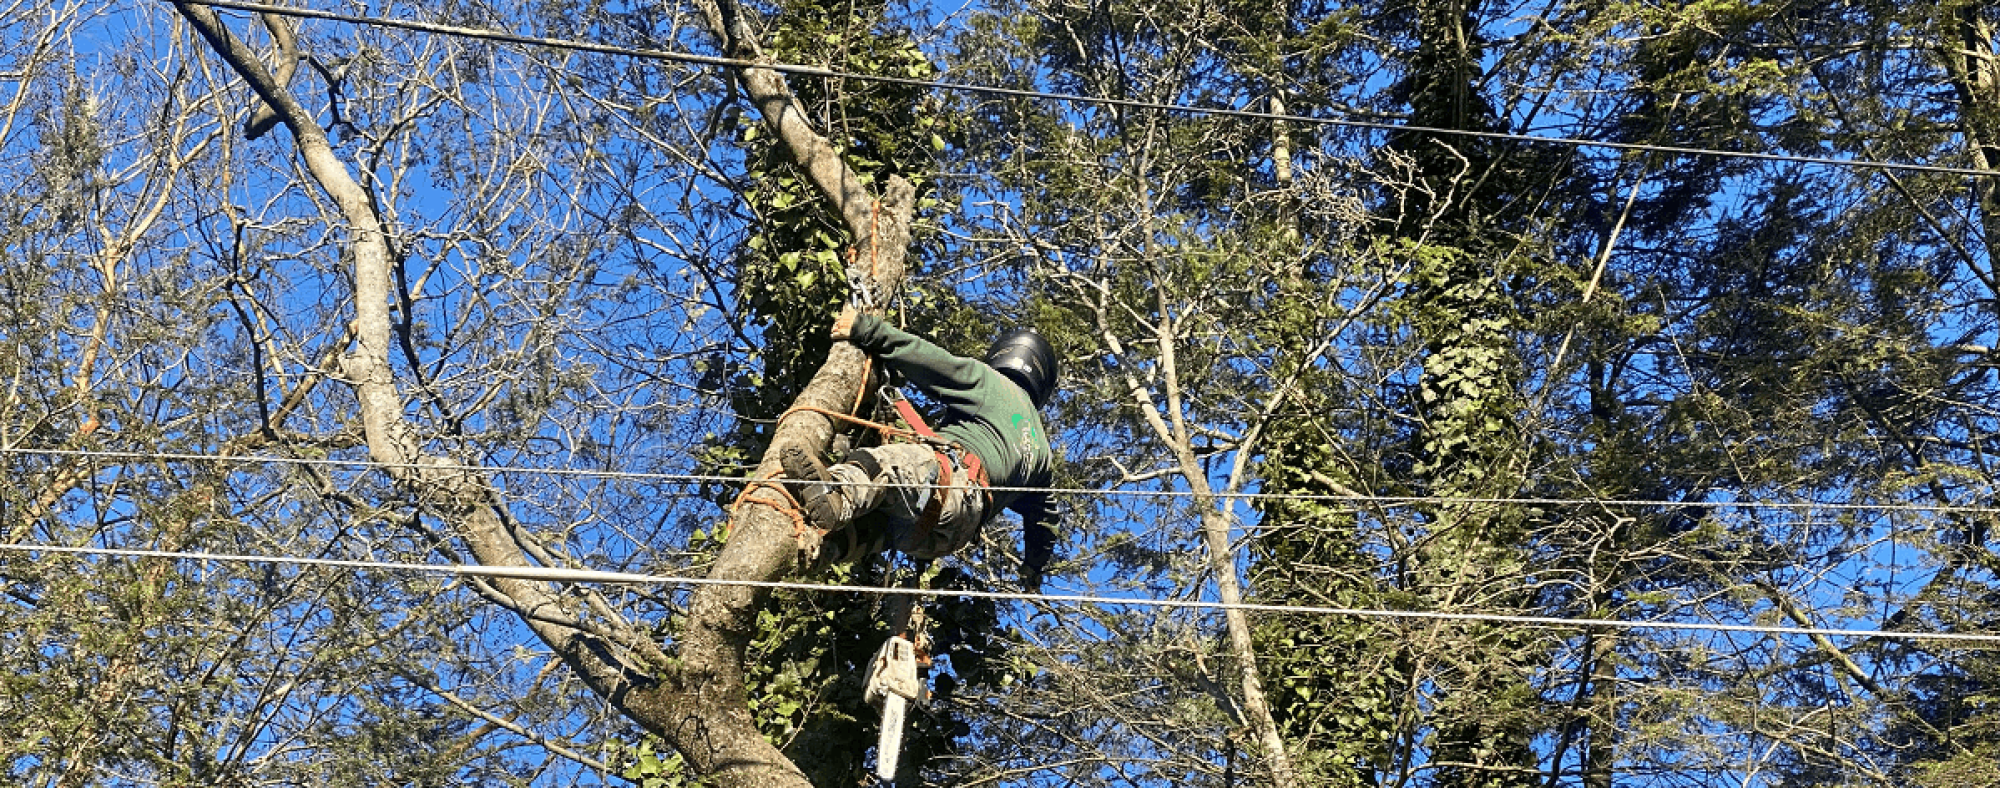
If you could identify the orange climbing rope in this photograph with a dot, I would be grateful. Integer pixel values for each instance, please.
(888, 430)
(789, 506)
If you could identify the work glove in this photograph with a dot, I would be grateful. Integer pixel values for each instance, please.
(843, 325)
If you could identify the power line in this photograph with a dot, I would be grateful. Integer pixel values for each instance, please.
(693, 478)
(561, 575)
(815, 71)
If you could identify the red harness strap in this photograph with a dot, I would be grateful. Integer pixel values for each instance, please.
(909, 414)
(975, 474)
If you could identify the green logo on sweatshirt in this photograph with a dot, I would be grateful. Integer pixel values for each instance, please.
(1027, 446)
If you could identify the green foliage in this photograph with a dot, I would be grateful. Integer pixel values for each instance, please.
(1976, 766)
(805, 669)
(1337, 685)
(793, 267)
(1467, 395)
(647, 767)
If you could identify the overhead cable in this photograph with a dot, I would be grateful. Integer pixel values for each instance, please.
(562, 575)
(963, 87)
(1356, 499)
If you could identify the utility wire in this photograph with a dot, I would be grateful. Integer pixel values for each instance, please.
(815, 71)
(560, 575)
(693, 478)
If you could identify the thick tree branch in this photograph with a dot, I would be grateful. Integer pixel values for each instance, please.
(286, 48)
(469, 503)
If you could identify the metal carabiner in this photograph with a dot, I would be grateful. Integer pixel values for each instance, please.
(859, 292)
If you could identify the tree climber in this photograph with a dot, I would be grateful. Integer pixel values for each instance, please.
(990, 437)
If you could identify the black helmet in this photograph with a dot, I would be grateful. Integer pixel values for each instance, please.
(1026, 358)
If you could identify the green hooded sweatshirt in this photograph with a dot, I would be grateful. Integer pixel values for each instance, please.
(986, 412)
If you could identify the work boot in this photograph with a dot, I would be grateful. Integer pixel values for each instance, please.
(801, 464)
(826, 508)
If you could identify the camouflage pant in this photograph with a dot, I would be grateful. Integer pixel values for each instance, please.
(900, 491)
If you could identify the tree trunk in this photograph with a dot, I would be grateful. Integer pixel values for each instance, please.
(1600, 754)
(1975, 77)
(1215, 529)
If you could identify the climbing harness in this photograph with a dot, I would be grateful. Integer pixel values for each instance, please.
(947, 452)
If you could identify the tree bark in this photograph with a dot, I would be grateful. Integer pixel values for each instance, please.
(1967, 53)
